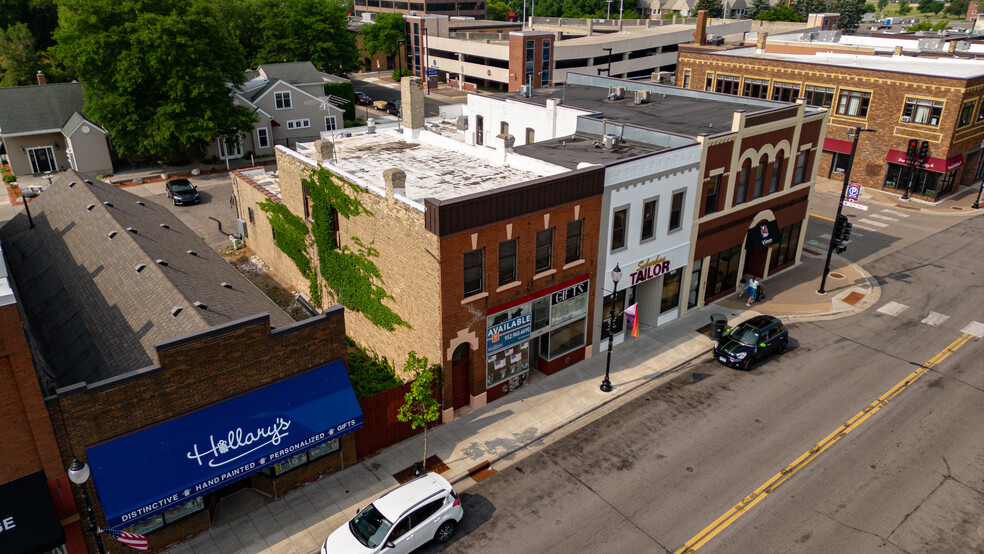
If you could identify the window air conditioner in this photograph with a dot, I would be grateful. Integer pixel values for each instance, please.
(906, 119)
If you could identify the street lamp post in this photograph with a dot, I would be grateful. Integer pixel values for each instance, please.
(977, 203)
(840, 204)
(78, 473)
(606, 385)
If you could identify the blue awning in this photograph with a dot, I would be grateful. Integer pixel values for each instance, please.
(154, 470)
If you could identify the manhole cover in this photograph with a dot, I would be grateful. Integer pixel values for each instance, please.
(958, 208)
(835, 275)
(853, 298)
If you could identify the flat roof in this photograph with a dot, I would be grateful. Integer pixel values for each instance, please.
(571, 150)
(688, 114)
(433, 171)
(958, 68)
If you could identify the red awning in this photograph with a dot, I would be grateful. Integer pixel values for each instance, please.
(273, 123)
(939, 165)
(837, 145)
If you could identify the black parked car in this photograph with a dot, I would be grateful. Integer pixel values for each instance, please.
(393, 108)
(181, 191)
(751, 340)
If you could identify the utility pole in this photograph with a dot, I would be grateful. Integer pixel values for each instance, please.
(840, 206)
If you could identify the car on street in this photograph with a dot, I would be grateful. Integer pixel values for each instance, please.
(392, 108)
(751, 340)
(362, 99)
(402, 520)
(181, 192)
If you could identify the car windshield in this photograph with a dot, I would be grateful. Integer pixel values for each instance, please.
(745, 334)
(370, 527)
(182, 187)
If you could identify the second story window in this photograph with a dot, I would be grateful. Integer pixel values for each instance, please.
(507, 261)
(686, 78)
(785, 92)
(822, 97)
(649, 219)
(742, 187)
(922, 111)
(711, 195)
(618, 228)
(756, 88)
(529, 135)
(572, 250)
(759, 179)
(503, 127)
(776, 173)
(474, 271)
(853, 103)
(966, 113)
(676, 210)
(282, 100)
(544, 250)
(728, 84)
(800, 174)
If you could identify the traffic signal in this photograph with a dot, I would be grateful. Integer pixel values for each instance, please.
(842, 233)
(924, 150)
(913, 150)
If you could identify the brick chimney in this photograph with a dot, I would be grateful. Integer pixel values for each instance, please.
(396, 182)
(760, 42)
(412, 97)
(897, 51)
(42, 80)
(700, 35)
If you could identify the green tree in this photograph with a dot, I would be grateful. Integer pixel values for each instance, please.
(925, 6)
(154, 95)
(904, 8)
(850, 13)
(921, 26)
(241, 18)
(307, 30)
(41, 17)
(781, 13)
(757, 7)
(381, 37)
(882, 4)
(957, 8)
(544, 8)
(868, 7)
(805, 7)
(714, 7)
(421, 408)
(941, 25)
(19, 61)
(496, 11)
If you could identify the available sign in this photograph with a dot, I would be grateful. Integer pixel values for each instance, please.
(503, 335)
(144, 473)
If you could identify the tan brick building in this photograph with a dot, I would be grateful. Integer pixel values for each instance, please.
(920, 90)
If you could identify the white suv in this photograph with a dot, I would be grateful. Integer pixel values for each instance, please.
(401, 520)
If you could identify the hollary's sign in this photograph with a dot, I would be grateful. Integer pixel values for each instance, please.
(503, 335)
(153, 470)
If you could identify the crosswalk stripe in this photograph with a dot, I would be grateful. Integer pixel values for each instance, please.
(975, 328)
(893, 309)
(883, 217)
(935, 319)
(875, 223)
(895, 213)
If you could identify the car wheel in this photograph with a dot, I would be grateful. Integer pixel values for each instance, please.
(445, 531)
(782, 345)
(746, 364)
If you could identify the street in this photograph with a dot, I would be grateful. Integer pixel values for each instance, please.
(384, 88)
(671, 467)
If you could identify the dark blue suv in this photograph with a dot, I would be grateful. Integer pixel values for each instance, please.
(751, 340)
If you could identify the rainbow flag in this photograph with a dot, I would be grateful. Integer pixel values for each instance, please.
(630, 314)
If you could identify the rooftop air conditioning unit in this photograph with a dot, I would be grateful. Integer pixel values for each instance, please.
(526, 91)
(715, 40)
(642, 96)
(616, 93)
(610, 141)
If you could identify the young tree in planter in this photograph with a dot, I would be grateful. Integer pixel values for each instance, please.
(421, 408)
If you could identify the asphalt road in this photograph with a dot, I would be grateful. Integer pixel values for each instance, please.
(661, 469)
(376, 91)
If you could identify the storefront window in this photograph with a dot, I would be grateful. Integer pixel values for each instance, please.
(694, 284)
(722, 271)
(507, 363)
(567, 338)
(569, 309)
(184, 510)
(148, 525)
(670, 299)
(541, 314)
(786, 251)
(506, 315)
(323, 450)
(286, 465)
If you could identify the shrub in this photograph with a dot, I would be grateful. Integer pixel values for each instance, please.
(9, 178)
(370, 373)
(346, 91)
(398, 73)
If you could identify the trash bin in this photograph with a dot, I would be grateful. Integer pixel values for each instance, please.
(718, 323)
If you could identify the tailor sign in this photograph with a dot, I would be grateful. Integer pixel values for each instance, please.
(151, 471)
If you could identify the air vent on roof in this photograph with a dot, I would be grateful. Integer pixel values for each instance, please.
(616, 93)
(829, 36)
(162, 262)
(201, 305)
(610, 141)
(931, 44)
(110, 204)
(193, 253)
(165, 225)
(90, 206)
(140, 203)
(641, 96)
(175, 311)
(141, 267)
(72, 184)
(963, 45)
(226, 285)
(112, 234)
(88, 182)
(132, 230)
(808, 37)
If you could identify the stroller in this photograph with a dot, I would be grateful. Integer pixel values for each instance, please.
(759, 293)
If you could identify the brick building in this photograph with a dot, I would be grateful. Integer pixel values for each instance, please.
(925, 90)
(156, 357)
(486, 254)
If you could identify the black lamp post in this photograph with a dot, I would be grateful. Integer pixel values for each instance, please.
(977, 203)
(399, 58)
(27, 195)
(78, 473)
(606, 385)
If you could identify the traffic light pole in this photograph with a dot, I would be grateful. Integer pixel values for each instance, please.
(840, 206)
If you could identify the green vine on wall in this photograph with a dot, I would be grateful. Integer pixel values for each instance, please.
(349, 274)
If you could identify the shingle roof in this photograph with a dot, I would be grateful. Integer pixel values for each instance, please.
(126, 311)
(39, 107)
(297, 73)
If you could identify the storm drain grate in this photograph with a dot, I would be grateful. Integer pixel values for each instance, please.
(853, 298)
(482, 471)
(811, 251)
(434, 464)
(705, 329)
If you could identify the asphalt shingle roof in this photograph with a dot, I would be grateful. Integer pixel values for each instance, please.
(294, 73)
(39, 107)
(125, 311)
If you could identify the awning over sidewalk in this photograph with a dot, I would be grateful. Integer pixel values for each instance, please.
(939, 165)
(837, 145)
(28, 522)
(153, 470)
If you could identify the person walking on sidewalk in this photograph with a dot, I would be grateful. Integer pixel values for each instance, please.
(753, 285)
(742, 288)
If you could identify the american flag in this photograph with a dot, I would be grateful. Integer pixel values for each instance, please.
(132, 540)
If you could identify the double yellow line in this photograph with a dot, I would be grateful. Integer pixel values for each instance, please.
(747, 503)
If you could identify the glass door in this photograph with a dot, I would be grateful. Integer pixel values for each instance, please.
(42, 159)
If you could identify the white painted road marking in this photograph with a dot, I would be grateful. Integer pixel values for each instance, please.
(883, 217)
(867, 221)
(975, 328)
(935, 319)
(895, 213)
(893, 309)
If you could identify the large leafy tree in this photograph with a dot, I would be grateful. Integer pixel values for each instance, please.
(805, 7)
(19, 61)
(904, 8)
(302, 30)
(243, 19)
(757, 7)
(957, 8)
(850, 13)
(714, 7)
(780, 13)
(381, 37)
(155, 71)
(496, 11)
